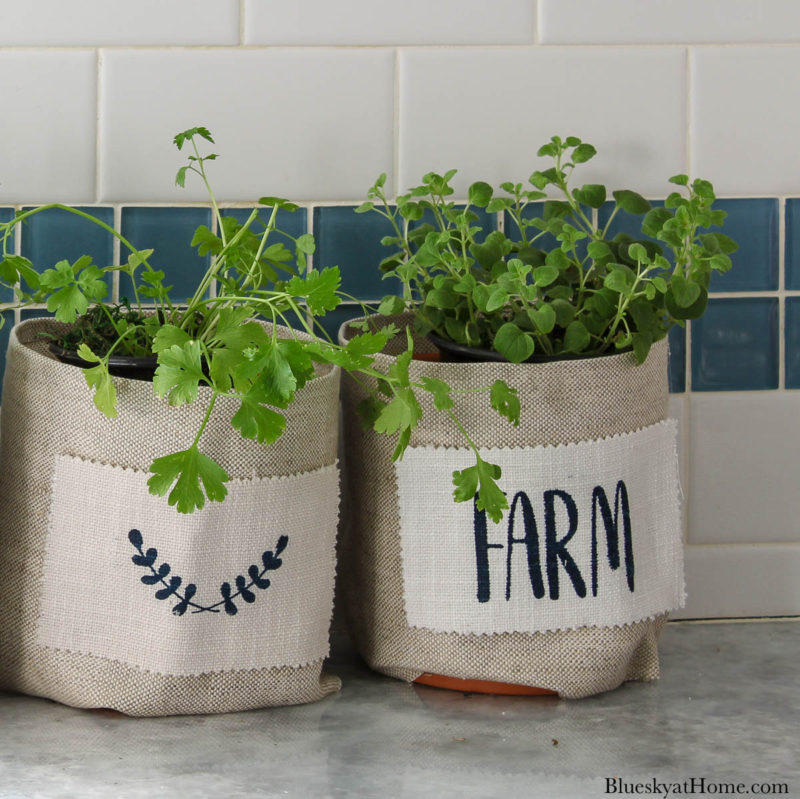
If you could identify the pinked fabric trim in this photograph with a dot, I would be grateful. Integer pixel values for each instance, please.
(105, 528)
(593, 536)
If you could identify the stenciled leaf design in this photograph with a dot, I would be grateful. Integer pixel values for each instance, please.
(271, 561)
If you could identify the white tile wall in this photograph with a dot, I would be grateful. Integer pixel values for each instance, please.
(47, 132)
(744, 119)
(668, 21)
(382, 22)
(745, 481)
(741, 581)
(304, 123)
(488, 111)
(678, 409)
(312, 99)
(116, 22)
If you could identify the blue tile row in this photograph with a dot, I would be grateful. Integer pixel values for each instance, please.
(733, 347)
(55, 234)
(752, 223)
(353, 241)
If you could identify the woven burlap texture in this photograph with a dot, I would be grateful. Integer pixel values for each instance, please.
(47, 411)
(562, 402)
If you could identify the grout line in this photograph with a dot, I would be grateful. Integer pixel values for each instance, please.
(736, 620)
(739, 295)
(688, 110)
(745, 544)
(687, 465)
(310, 258)
(494, 47)
(782, 292)
(537, 22)
(212, 288)
(241, 22)
(357, 201)
(687, 374)
(396, 140)
(387, 45)
(17, 251)
(97, 126)
(310, 230)
(117, 253)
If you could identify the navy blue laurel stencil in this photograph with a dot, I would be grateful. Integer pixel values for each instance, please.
(157, 575)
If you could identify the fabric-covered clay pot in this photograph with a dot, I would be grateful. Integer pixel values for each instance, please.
(110, 598)
(571, 590)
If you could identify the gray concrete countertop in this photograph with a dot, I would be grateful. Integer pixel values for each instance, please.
(726, 709)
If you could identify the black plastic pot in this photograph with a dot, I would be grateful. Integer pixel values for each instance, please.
(461, 353)
(134, 368)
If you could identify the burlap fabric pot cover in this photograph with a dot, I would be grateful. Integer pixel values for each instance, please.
(431, 586)
(90, 614)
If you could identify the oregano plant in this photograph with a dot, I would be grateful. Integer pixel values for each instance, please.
(552, 282)
(555, 283)
(215, 344)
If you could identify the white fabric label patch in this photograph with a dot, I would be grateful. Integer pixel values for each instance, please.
(243, 584)
(593, 536)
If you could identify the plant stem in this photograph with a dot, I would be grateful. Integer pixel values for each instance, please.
(207, 416)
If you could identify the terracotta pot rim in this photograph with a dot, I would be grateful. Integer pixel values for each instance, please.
(481, 686)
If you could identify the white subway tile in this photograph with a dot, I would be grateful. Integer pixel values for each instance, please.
(487, 111)
(668, 21)
(744, 467)
(47, 133)
(744, 118)
(307, 124)
(381, 22)
(678, 409)
(741, 581)
(113, 22)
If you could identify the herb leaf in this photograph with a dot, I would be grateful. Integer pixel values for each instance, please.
(188, 469)
(481, 479)
(179, 373)
(98, 378)
(505, 401)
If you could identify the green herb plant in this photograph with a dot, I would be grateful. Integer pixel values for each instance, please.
(555, 284)
(214, 344)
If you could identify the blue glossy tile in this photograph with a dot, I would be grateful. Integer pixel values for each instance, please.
(6, 215)
(677, 359)
(293, 223)
(55, 235)
(793, 342)
(793, 244)
(34, 313)
(735, 345)
(168, 232)
(353, 243)
(753, 224)
(8, 322)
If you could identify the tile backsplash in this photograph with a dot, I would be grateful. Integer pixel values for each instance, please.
(313, 100)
